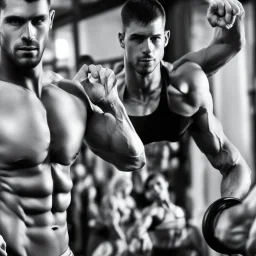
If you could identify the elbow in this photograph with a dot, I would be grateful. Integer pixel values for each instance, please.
(139, 162)
(240, 44)
(134, 163)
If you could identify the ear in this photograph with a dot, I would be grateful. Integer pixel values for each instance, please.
(121, 39)
(166, 37)
(52, 14)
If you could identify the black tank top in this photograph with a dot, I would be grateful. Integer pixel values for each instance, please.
(162, 124)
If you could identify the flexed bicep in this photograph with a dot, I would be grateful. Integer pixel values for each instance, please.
(114, 142)
(110, 133)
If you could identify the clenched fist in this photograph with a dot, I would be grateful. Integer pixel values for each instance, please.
(223, 13)
(98, 82)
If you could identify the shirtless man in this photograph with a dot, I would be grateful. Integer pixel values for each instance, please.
(164, 103)
(42, 129)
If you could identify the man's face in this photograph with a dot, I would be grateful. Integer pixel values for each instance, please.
(24, 29)
(144, 45)
(158, 188)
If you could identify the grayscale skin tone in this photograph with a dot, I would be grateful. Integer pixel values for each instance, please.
(189, 96)
(44, 121)
(169, 215)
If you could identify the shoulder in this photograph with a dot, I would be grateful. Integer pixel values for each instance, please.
(191, 74)
(50, 77)
(67, 90)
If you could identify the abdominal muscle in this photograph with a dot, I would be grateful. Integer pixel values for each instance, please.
(33, 203)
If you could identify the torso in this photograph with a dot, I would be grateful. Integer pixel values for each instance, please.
(168, 229)
(37, 145)
(161, 124)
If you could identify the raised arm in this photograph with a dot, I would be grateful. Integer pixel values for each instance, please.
(109, 132)
(229, 37)
(208, 134)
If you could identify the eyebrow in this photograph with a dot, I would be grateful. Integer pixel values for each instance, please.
(143, 35)
(11, 17)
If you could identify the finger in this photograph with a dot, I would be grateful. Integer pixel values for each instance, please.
(101, 73)
(212, 19)
(228, 12)
(110, 79)
(241, 8)
(235, 7)
(82, 74)
(221, 22)
(220, 8)
(211, 13)
(93, 71)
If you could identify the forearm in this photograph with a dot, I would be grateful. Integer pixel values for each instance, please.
(234, 37)
(236, 180)
(122, 135)
(225, 45)
(111, 136)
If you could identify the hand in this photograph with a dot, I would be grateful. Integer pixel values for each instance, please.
(98, 82)
(2, 247)
(222, 13)
(236, 226)
(140, 246)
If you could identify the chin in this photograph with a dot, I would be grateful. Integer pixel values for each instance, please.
(28, 63)
(145, 71)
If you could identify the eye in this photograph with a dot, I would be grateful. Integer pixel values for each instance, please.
(38, 21)
(155, 38)
(137, 38)
(15, 21)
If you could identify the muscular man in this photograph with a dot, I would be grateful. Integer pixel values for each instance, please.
(164, 224)
(163, 103)
(42, 129)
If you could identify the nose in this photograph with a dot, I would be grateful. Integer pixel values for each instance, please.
(147, 46)
(28, 32)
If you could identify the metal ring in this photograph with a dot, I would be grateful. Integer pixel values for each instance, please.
(208, 224)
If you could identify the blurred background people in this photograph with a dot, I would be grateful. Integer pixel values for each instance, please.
(164, 224)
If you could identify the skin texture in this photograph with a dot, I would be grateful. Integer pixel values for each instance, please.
(44, 121)
(140, 85)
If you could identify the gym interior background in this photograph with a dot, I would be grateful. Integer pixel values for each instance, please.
(90, 27)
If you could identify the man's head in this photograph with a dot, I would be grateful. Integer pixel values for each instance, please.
(121, 185)
(143, 34)
(156, 186)
(24, 30)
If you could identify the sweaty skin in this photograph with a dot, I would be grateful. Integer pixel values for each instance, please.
(34, 167)
(189, 97)
(40, 139)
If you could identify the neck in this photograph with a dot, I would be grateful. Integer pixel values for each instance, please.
(29, 78)
(141, 85)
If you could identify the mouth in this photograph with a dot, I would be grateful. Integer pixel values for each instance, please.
(27, 49)
(146, 60)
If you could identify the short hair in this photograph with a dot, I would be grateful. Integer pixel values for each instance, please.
(142, 11)
(3, 3)
(152, 176)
